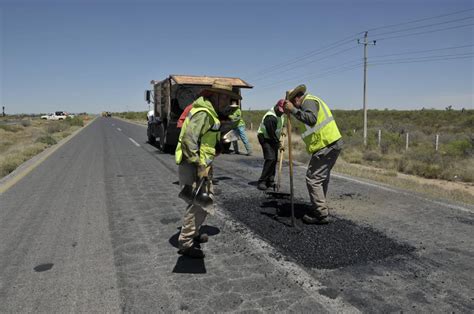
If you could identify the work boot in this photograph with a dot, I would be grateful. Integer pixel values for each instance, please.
(201, 238)
(262, 186)
(249, 153)
(192, 252)
(186, 194)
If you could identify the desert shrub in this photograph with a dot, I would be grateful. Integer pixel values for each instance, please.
(352, 156)
(56, 126)
(4, 145)
(371, 155)
(9, 164)
(10, 128)
(76, 121)
(427, 170)
(458, 148)
(26, 123)
(390, 142)
(423, 153)
(47, 139)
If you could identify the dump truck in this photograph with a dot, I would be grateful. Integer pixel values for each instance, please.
(169, 98)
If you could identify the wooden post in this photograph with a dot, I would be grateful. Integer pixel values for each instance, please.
(437, 142)
(406, 146)
(380, 137)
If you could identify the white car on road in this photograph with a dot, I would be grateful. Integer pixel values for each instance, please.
(58, 115)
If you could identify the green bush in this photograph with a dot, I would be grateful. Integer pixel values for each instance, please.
(371, 155)
(47, 139)
(458, 148)
(55, 127)
(76, 121)
(8, 165)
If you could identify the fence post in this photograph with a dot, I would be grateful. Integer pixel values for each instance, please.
(406, 146)
(251, 126)
(437, 142)
(380, 137)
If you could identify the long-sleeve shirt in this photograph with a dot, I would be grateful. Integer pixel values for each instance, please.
(197, 126)
(236, 118)
(308, 113)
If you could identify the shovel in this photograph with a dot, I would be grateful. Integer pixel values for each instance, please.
(290, 159)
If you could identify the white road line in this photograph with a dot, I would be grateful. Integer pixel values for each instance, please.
(133, 141)
(464, 209)
(119, 129)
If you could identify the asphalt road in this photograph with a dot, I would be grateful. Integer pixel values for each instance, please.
(94, 229)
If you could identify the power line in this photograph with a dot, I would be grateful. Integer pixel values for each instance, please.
(305, 64)
(334, 69)
(299, 76)
(419, 20)
(424, 26)
(426, 32)
(421, 51)
(306, 56)
(345, 40)
(426, 59)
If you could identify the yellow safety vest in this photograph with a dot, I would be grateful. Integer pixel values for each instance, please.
(324, 132)
(280, 121)
(207, 145)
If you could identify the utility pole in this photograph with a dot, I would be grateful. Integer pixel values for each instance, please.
(365, 43)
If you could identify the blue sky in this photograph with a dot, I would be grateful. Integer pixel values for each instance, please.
(101, 55)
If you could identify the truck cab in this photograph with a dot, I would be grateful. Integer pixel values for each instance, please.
(169, 97)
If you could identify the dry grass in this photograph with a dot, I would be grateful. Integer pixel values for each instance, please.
(22, 141)
(455, 191)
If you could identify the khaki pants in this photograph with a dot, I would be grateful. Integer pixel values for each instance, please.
(195, 215)
(317, 179)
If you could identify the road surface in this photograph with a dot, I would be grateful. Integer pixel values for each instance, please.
(94, 228)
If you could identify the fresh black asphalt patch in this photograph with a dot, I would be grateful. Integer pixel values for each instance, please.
(337, 244)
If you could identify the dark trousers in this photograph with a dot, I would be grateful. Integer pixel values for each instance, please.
(270, 154)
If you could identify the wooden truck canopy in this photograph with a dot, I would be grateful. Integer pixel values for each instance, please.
(208, 80)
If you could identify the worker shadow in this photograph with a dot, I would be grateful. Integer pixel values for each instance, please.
(281, 210)
(253, 183)
(188, 265)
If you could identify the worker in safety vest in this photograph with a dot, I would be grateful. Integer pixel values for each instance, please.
(239, 129)
(323, 142)
(268, 135)
(195, 152)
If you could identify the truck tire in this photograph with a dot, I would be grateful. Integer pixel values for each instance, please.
(151, 138)
(163, 145)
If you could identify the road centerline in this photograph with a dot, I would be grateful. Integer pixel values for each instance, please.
(134, 142)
